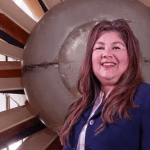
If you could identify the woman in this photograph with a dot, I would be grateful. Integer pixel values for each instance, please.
(113, 112)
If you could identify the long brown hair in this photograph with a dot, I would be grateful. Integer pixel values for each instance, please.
(121, 97)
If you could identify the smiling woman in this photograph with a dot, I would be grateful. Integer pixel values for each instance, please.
(109, 59)
(113, 110)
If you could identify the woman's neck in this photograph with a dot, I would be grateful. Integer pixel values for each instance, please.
(107, 89)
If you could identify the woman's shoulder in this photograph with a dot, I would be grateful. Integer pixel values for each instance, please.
(142, 96)
(143, 89)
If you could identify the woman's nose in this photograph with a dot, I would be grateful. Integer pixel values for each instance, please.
(107, 53)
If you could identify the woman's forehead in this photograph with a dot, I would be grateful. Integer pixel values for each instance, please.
(109, 37)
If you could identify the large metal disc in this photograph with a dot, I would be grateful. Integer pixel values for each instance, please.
(56, 47)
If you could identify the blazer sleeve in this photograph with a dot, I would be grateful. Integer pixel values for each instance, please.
(145, 127)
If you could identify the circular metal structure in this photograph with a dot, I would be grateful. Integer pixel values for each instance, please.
(56, 47)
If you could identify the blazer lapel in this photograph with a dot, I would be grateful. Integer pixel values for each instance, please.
(88, 111)
(99, 110)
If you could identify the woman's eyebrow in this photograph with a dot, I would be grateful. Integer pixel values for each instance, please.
(117, 42)
(100, 43)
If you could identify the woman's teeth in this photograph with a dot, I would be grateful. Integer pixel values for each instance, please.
(108, 64)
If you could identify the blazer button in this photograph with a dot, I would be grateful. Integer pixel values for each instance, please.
(91, 122)
(87, 147)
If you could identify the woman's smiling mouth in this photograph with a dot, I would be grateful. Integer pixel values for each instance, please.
(108, 64)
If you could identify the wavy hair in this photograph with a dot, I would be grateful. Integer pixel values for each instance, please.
(121, 97)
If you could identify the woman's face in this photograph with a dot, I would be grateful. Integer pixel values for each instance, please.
(109, 58)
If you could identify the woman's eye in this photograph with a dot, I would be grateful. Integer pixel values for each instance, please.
(100, 48)
(116, 47)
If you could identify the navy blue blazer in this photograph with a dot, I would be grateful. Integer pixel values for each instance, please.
(124, 134)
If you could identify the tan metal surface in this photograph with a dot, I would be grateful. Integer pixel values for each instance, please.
(10, 84)
(39, 141)
(145, 2)
(11, 51)
(12, 11)
(10, 65)
(15, 120)
(35, 8)
(50, 3)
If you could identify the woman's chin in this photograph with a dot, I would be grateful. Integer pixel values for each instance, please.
(109, 80)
